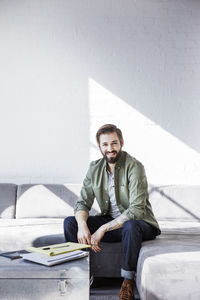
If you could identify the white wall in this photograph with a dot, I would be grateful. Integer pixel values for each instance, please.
(67, 67)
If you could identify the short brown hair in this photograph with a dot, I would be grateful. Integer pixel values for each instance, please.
(109, 128)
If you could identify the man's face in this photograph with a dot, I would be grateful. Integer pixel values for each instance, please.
(110, 147)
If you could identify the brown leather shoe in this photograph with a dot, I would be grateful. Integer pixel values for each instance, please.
(126, 291)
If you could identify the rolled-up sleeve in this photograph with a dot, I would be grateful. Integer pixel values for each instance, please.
(138, 192)
(86, 197)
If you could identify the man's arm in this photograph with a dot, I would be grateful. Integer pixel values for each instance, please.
(81, 217)
(81, 210)
(116, 223)
(83, 234)
(86, 198)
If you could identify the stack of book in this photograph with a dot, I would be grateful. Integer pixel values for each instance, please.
(52, 254)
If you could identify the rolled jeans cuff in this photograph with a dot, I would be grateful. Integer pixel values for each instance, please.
(128, 274)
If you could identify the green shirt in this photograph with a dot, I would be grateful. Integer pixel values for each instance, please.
(131, 189)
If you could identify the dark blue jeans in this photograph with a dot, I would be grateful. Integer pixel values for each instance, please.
(132, 234)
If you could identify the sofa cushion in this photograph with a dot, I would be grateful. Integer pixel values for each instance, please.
(7, 200)
(168, 268)
(178, 202)
(44, 201)
(179, 227)
(16, 234)
(47, 200)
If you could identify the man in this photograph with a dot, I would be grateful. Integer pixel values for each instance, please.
(118, 182)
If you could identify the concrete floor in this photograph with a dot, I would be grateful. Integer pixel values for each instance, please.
(107, 289)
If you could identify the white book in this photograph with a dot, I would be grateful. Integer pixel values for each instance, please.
(53, 260)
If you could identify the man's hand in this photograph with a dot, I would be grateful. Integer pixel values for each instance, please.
(96, 238)
(112, 225)
(83, 235)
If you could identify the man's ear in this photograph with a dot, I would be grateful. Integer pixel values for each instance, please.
(122, 143)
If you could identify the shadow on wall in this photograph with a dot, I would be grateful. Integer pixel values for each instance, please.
(138, 50)
(145, 59)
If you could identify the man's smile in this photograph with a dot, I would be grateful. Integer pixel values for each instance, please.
(111, 154)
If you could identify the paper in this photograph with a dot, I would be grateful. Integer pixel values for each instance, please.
(54, 260)
(58, 248)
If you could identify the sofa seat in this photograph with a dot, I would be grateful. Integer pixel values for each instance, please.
(174, 260)
(112, 268)
(16, 234)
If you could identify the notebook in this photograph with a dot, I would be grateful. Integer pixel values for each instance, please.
(57, 249)
(54, 260)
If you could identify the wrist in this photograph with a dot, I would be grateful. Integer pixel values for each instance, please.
(82, 223)
(103, 228)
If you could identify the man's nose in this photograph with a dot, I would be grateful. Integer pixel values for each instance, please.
(110, 148)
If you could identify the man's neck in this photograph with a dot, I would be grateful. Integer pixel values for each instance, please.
(111, 167)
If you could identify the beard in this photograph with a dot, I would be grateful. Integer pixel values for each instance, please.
(112, 160)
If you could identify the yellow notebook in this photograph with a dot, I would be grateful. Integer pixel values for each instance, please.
(58, 248)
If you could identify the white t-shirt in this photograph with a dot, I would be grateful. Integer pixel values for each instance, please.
(114, 211)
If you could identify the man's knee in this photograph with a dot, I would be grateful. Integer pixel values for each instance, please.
(70, 229)
(69, 222)
(132, 226)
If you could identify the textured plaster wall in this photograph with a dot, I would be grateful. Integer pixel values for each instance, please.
(66, 67)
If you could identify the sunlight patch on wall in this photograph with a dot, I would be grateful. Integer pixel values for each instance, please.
(167, 160)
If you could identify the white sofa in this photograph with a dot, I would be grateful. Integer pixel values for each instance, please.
(168, 267)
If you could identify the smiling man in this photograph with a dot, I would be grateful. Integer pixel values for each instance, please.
(119, 184)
